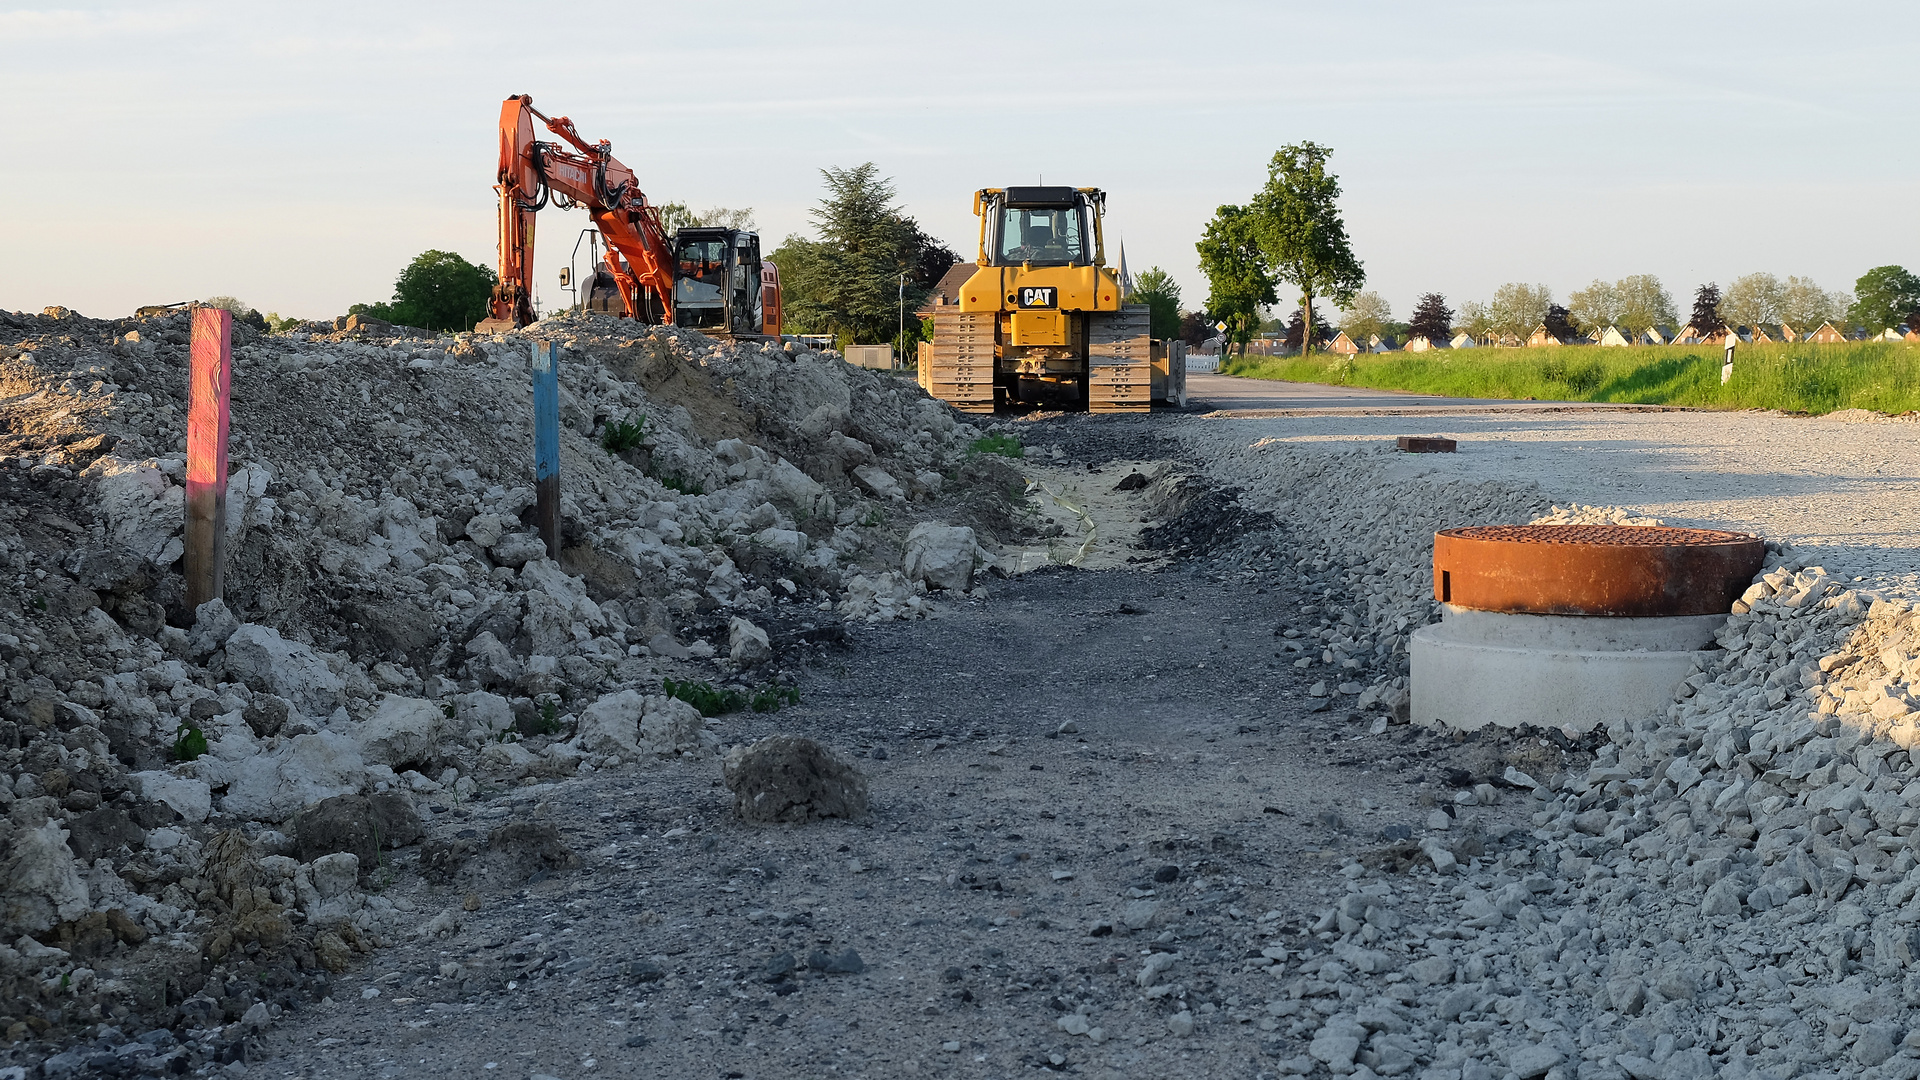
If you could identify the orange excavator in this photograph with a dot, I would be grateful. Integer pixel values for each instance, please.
(709, 279)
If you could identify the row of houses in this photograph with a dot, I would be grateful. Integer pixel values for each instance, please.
(1827, 334)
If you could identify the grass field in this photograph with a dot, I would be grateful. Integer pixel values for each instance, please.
(1880, 375)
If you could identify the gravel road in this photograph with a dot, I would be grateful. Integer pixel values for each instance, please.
(1082, 770)
(1846, 485)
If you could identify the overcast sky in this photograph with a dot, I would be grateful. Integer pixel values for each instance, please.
(296, 156)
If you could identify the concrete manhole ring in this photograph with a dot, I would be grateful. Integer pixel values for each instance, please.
(1611, 570)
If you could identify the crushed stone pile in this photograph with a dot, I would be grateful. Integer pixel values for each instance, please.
(392, 624)
(1728, 889)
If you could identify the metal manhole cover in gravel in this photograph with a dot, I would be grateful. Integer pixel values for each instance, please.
(1616, 570)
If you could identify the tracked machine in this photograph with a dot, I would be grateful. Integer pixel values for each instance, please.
(710, 279)
(1043, 321)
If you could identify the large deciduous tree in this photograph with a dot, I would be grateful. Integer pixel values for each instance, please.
(1364, 316)
(1432, 319)
(1161, 294)
(438, 290)
(1301, 324)
(1644, 304)
(1519, 307)
(1238, 279)
(1804, 305)
(1752, 300)
(1883, 297)
(1706, 308)
(1300, 230)
(1597, 305)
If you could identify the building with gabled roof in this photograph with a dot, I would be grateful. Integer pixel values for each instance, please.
(1541, 336)
(1462, 340)
(1612, 338)
(1826, 335)
(1342, 344)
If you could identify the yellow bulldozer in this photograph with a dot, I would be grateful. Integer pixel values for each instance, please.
(1042, 321)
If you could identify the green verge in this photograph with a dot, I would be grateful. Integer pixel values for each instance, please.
(1883, 376)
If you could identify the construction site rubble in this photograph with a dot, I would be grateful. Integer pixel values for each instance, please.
(1727, 890)
(394, 634)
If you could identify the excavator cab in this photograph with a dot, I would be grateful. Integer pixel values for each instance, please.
(717, 279)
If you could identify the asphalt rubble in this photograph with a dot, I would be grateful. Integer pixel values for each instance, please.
(198, 803)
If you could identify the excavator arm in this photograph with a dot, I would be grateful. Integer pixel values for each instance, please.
(577, 173)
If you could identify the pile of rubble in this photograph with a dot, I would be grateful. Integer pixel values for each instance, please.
(1727, 890)
(392, 625)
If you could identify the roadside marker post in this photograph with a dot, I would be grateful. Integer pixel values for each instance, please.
(546, 445)
(209, 383)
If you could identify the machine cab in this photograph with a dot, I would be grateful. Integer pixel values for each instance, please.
(717, 280)
(1040, 226)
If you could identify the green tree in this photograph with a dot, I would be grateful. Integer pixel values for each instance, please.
(1300, 231)
(1364, 316)
(1238, 281)
(1804, 305)
(1518, 307)
(1884, 296)
(1752, 299)
(438, 290)
(675, 216)
(847, 282)
(1644, 304)
(1706, 309)
(1598, 305)
(1476, 318)
(1161, 294)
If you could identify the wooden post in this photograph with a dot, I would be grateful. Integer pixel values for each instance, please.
(546, 445)
(209, 381)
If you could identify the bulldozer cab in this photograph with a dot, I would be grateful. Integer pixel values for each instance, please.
(717, 280)
(1041, 226)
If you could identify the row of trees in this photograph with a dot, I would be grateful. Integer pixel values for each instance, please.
(1886, 296)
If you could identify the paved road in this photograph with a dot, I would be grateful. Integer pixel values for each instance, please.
(1239, 396)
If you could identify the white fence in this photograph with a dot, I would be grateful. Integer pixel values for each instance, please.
(1196, 362)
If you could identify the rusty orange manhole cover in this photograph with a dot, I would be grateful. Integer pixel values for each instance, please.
(1622, 570)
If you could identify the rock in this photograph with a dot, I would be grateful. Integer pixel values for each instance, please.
(356, 823)
(1722, 898)
(518, 549)
(1155, 966)
(1140, 914)
(794, 779)
(334, 875)
(1433, 971)
(490, 662)
(402, 733)
(102, 831)
(266, 715)
(878, 481)
(1318, 689)
(1180, 1024)
(1876, 1044)
(40, 884)
(670, 727)
(520, 849)
(192, 799)
(261, 658)
(941, 556)
(846, 962)
(748, 643)
(304, 771)
(485, 529)
(213, 624)
(481, 715)
(509, 759)
(1533, 1059)
(611, 725)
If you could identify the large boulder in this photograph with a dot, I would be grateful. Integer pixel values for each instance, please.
(306, 770)
(261, 658)
(748, 645)
(794, 779)
(402, 732)
(942, 556)
(480, 715)
(361, 824)
(631, 725)
(192, 799)
(40, 883)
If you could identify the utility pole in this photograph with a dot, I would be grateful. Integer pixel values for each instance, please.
(901, 341)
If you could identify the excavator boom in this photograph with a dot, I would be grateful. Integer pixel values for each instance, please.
(577, 174)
